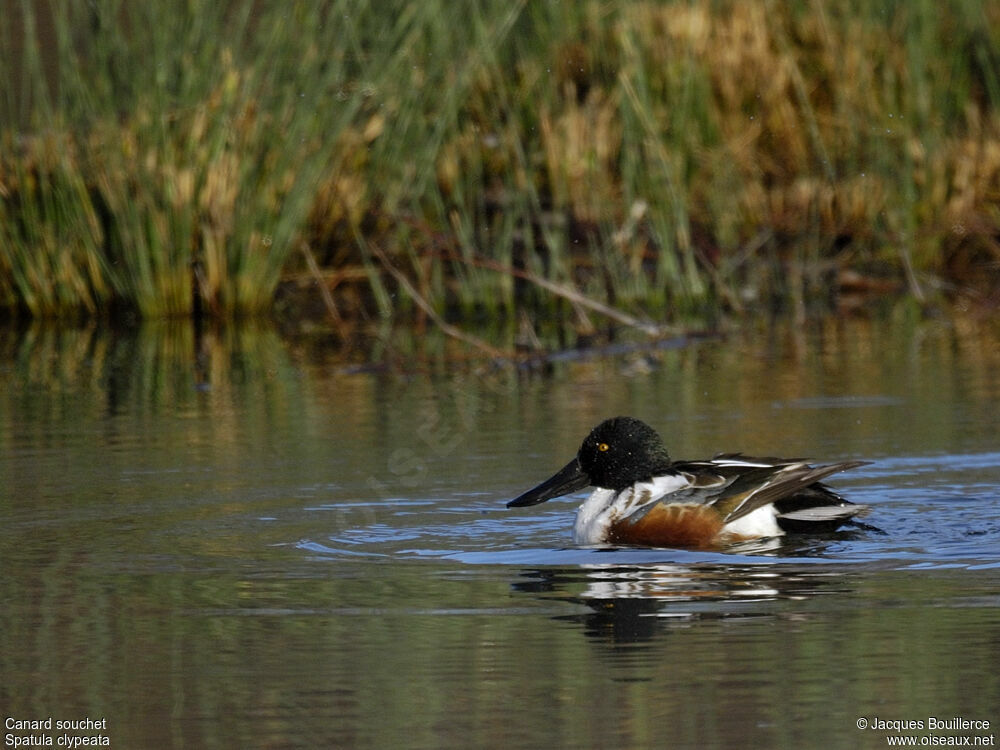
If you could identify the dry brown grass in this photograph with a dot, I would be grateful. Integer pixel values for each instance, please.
(676, 157)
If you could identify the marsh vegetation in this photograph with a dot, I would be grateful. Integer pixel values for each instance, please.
(662, 160)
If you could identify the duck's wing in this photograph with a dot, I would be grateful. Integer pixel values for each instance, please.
(744, 484)
(683, 486)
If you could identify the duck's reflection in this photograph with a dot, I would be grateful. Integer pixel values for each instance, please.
(632, 603)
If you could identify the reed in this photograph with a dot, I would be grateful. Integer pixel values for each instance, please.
(675, 158)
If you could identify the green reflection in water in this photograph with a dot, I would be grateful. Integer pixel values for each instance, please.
(424, 655)
(155, 496)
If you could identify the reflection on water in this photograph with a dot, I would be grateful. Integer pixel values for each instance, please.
(237, 541)
(674, 583)
(631, 605)
(628, 604)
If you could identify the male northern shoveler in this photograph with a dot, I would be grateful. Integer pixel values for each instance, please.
(644, 498)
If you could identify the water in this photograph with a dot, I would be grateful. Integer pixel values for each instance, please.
(248, 544)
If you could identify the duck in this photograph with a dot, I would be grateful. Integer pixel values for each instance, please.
(644, 498)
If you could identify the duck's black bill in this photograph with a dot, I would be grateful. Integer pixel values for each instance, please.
(569, 478)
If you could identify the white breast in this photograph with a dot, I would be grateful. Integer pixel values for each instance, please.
(604, 507)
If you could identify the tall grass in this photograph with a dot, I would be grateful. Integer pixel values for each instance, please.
(666, 156)
(198, 136)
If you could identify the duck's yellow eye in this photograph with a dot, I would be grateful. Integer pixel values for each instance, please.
(602, 447)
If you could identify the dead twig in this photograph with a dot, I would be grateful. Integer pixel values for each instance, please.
(324, 291)
(426, 306)
(561, 290)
